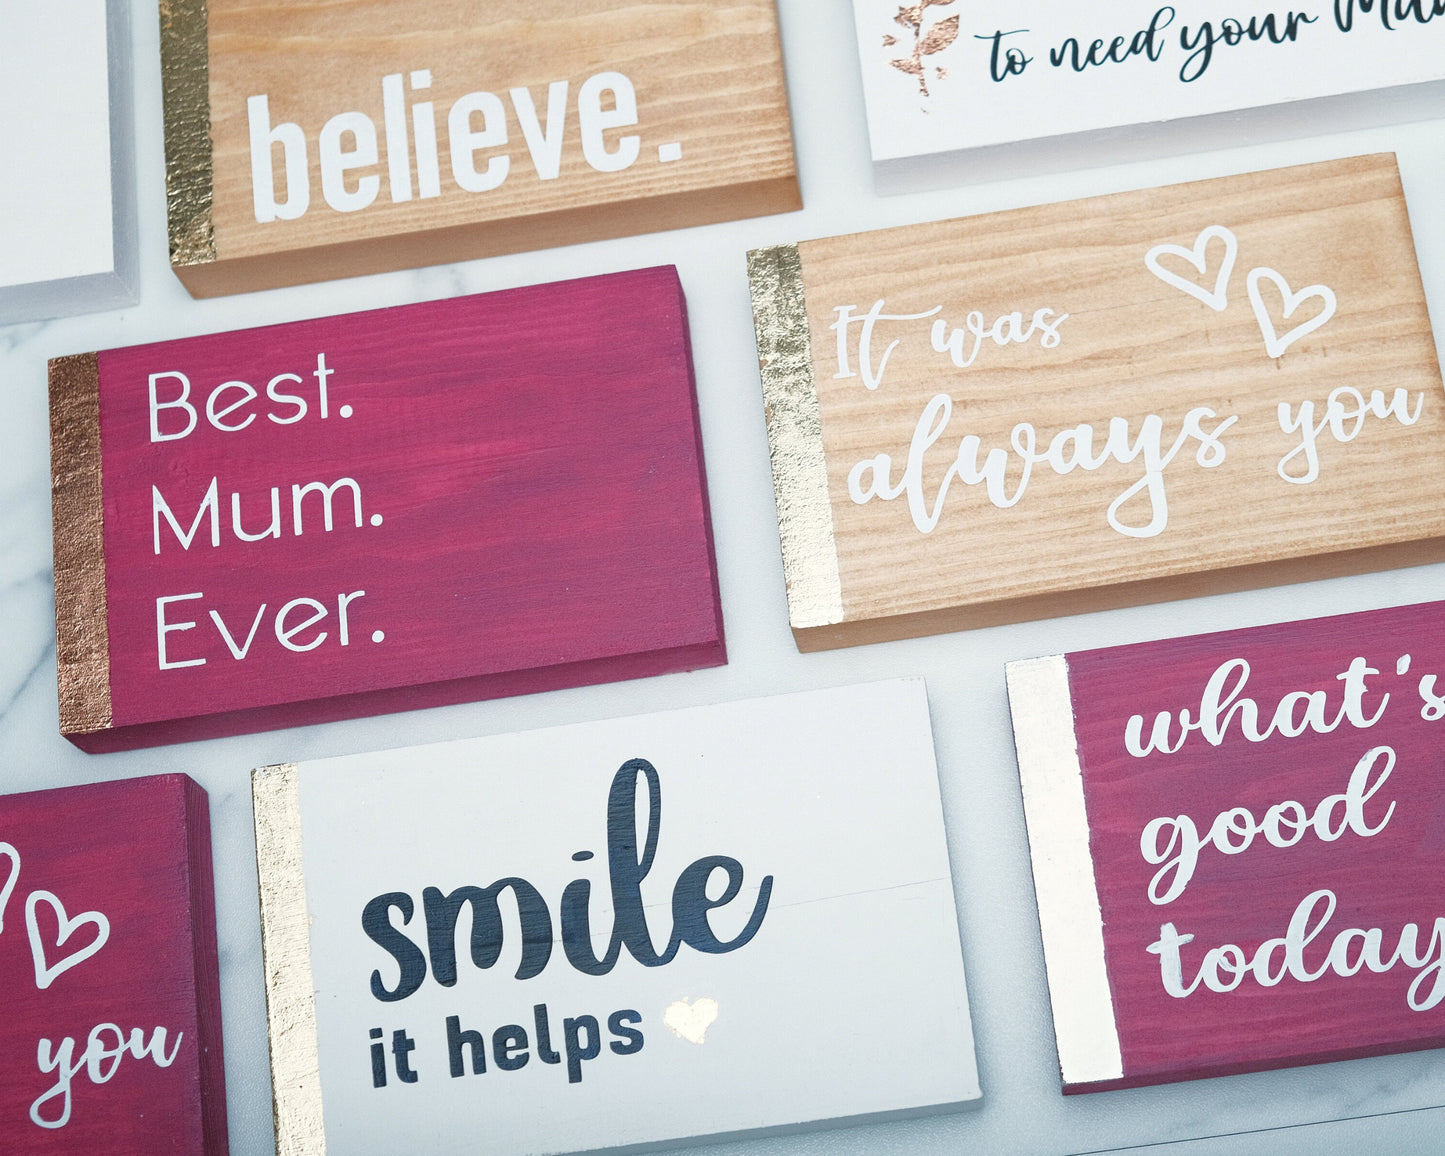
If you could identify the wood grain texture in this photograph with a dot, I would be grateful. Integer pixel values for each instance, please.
(1133, 344)
(516, 503)
(1312, 792)
(711, 131)
(107, 925)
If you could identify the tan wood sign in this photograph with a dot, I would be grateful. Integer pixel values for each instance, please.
(319, 139)
(1151, 395)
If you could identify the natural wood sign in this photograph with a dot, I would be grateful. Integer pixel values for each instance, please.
(953, 89)
(111, 1037)
(68, 201)
(627, 933)
(1144, 396)
(427, 504)
(1236, 845)
(318, 139)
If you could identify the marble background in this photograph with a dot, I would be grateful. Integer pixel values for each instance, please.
(1387, 1104)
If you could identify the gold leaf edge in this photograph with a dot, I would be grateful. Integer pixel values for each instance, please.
(82, 630)
(795, 437)
(286, 961)
(186, 97)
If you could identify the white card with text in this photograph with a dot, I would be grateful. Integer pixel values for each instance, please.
(690, 924)
(944, 76)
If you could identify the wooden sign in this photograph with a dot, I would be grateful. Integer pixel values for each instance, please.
(111, 1038)
(953, 89)
(428, 504)
(328, 139)
(638, 932)
(67, 211)
(1145, 396)
(1236, 845)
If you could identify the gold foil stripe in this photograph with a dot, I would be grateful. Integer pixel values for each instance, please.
(795, 437)
(286, 958)
(186, 90)
(1066, 890)
(82, 634)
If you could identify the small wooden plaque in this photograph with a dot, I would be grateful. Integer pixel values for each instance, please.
(1237, 841)
(421, 505)
(1150, 395)
(67, 200)
(320, 139)
(621, 934)
(111, 1037)
(959, 92)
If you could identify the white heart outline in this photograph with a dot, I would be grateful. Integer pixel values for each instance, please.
(1274, 344)
(8, 850)
(45, 976)
(1219, 298)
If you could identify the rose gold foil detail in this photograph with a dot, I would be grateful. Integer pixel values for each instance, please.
(186, 91)
(286, 959)
(82, 636)
(795, 437)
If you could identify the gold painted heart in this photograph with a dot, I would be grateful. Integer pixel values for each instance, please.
(45, 972)
(690, 1021)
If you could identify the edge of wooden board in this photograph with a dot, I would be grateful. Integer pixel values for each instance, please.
(216, 276)
(1089, 600)
(200, 880)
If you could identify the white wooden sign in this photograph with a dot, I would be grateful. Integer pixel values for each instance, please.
(67, 217)
(944, 79)
(689, 924)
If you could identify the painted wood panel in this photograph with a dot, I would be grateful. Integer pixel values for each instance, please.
(1150, 395)
(67, 202)
(682, 926)
(111, 1038)
(959, 92)
(1235, 841)
(432, 503)
(321, 140)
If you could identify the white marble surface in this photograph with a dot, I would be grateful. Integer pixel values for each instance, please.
(1387, 1104)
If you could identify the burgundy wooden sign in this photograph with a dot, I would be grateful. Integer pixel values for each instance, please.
(427, 504)
(1237, 842)
(111, 1037)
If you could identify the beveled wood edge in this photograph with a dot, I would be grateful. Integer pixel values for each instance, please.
(220, 275)
(186, 98)
(286, 960)
(82, 632)
(1090, 600)
(795, 437)
(1066, 893)
(205, 957)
